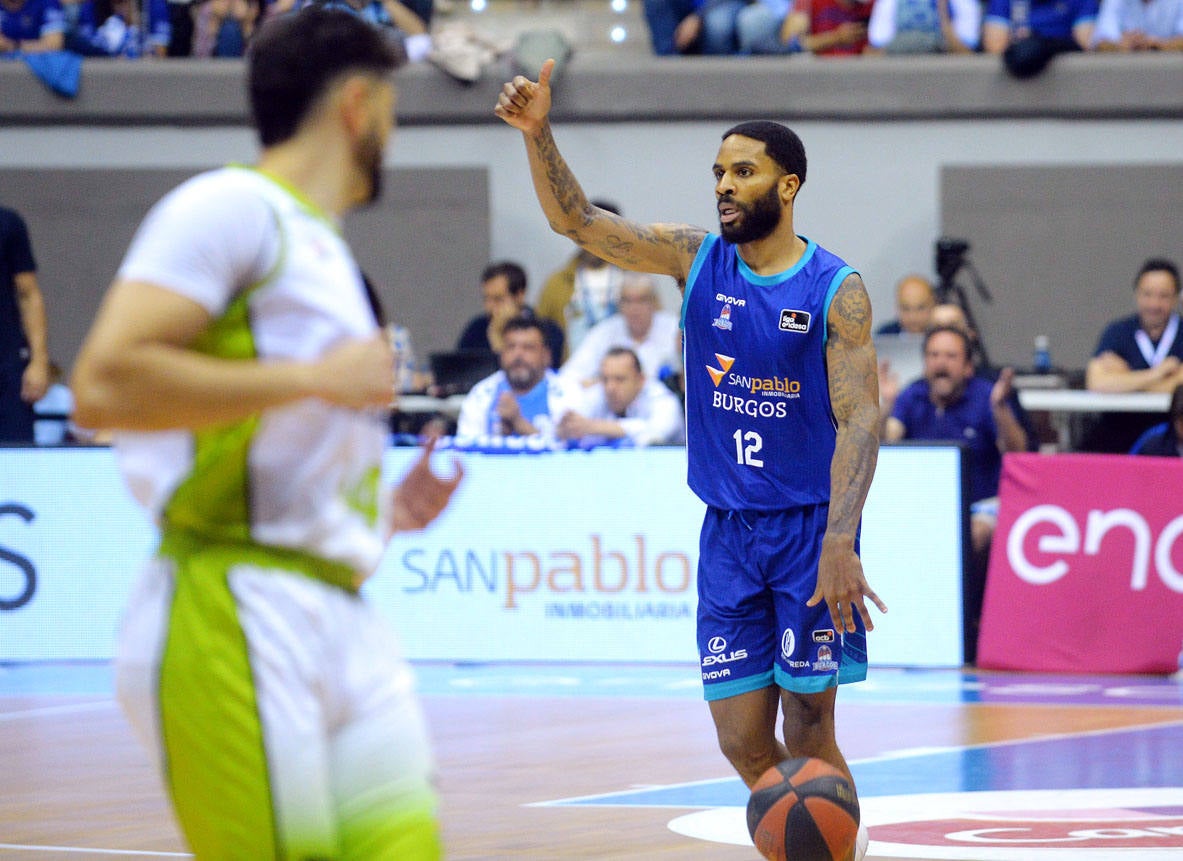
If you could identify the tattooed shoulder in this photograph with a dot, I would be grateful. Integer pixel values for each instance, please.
(850, 311)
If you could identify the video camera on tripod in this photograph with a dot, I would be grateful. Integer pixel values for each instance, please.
(952, 257)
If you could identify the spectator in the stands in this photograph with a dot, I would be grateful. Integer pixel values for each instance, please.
(640, 325)
(123, 32)
(222, 28)
(952, 403)
(924, 27)
(525, 397)
(823, 27)
(914, 300)
(503, 296)
(31, 26)
(1139, 25)
(582, 293)
(625, 407)
(1029, 33)
(1139, 353)
(693, 26)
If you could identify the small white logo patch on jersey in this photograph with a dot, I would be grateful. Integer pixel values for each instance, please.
(794, 321)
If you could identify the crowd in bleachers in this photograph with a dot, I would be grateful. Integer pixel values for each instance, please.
(1025, 33)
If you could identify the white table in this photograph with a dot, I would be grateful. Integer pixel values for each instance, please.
(1064, 404)
(449, 406)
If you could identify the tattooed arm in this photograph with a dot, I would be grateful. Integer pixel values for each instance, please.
(854, 397)
(666, 249)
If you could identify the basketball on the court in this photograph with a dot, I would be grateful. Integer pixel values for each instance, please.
(803, 810)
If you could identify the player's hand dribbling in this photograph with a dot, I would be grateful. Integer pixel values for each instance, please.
(841, 584)
(523, 103)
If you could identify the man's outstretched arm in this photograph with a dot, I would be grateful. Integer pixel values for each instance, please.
(666, 249)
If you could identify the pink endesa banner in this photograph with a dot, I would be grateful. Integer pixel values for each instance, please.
(1086, 568)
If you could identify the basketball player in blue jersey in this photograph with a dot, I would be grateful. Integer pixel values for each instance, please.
(782, 430)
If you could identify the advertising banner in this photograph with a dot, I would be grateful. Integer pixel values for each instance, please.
(573, 556)
(1086, 569)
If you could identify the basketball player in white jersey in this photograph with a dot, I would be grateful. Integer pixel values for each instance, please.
(242, 365)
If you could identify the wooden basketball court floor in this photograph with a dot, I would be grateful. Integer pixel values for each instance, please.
(619, 762)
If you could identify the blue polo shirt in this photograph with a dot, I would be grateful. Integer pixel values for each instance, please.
(969, 421)
(36, 18)
(1118, 338)
(1053, 19)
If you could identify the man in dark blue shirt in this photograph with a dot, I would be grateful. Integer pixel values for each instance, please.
(952, 403)
(24, 355)
(1139, 353)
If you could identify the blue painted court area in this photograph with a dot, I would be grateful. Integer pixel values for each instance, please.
(660, 681)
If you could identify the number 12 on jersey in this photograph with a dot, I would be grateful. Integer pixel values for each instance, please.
(747, 445)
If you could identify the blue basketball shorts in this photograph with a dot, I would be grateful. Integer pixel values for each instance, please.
(756, 570)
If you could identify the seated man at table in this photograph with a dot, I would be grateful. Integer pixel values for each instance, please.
(952, 314)
(525, 397)
(1139, 353)
(952, 403)
(625, 407)
(503, 295)
(1164, 439)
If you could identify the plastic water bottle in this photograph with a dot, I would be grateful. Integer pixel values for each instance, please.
(1042, 361)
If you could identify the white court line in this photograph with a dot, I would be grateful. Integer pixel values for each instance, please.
(46, 711)
(588, 800)
(123, 853)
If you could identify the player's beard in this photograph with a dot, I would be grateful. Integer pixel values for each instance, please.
(369, 161)
(756, 221)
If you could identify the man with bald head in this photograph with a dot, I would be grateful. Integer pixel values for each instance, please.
(639, 324)
(914, 300)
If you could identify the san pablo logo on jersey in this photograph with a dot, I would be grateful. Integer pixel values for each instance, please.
(723, 321)
(717, 373)
(794, 321)
(767, 386)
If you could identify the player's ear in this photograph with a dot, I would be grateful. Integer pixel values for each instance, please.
(789, 183)
(352, 101)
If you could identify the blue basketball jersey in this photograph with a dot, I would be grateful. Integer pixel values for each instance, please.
(760, 431)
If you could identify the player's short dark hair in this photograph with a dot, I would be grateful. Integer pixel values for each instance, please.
(1159, 264)
(514, 274)
(626, 351)
(294, 59)
(961, 334)
(780, 142)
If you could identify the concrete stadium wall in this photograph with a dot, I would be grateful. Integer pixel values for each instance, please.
(883, 135)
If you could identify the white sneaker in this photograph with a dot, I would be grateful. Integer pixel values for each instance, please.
(861, 841)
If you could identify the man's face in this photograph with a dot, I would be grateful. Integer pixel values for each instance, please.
(496, 299)
(747, 190)
(1156, 295)
(637, 307)
(622, 382)
(524, 358)
(946, 367)
(915, 302)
